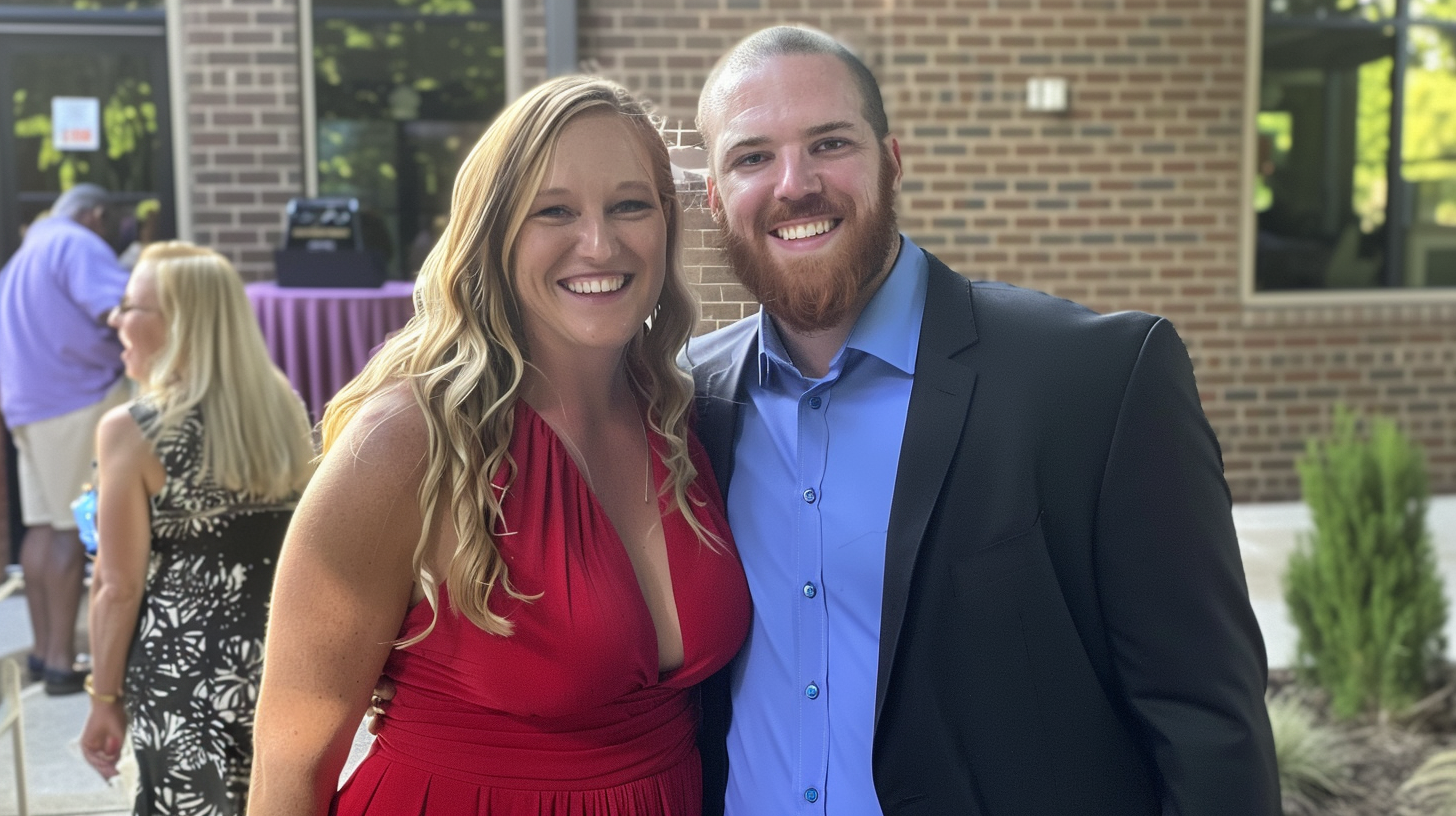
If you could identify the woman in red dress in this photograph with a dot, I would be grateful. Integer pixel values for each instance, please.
(512, 518)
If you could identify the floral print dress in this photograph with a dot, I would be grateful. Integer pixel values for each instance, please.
(195, 662)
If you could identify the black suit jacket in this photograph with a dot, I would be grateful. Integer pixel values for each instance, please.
(1066, 627)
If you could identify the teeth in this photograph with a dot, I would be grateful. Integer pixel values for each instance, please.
(596, 285)
(805, 230)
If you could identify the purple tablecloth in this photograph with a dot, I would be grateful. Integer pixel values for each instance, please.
(321, 338)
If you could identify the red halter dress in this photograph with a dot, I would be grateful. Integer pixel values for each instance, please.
(569, 715)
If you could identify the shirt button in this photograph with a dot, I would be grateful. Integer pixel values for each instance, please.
(809, 495)
(810, 590)
(815, 402)
(811, 795)
(812, 692)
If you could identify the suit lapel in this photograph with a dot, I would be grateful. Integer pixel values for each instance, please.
(719, 410)
(720, 389)
(939, 400)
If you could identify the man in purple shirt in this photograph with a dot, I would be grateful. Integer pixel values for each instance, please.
(986, 530)
(60, 369)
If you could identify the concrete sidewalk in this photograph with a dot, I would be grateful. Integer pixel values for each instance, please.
(59, 780)
(62, 784)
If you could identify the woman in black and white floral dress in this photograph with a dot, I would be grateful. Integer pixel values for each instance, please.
(198, 478)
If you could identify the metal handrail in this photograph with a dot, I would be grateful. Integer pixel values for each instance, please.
(11, 585)
(12, 721)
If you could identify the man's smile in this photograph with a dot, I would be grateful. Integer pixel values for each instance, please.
(800, 231)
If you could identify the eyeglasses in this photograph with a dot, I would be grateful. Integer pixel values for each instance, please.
(126, 306)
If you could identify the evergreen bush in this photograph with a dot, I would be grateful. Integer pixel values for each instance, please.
(1362, 588)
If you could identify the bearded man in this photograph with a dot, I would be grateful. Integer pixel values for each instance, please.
(986, 531)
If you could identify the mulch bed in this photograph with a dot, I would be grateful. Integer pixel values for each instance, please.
(1382, 755)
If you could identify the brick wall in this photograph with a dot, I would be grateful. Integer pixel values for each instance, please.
(533, 45)
(244, 124)
(1129, 201)
(1270, 376)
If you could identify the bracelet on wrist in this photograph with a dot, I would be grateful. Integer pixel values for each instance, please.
(95, 695)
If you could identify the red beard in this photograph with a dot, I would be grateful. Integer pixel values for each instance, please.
(813, 294)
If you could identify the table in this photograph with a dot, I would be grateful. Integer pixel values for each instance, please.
(322, 338)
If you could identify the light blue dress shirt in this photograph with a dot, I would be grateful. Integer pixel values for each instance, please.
(809, 504)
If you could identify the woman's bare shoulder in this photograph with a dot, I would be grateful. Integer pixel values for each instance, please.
(389, 433)
(125, 454)
(119, 433)
(366, 488)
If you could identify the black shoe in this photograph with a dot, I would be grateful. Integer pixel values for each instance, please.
(34, 669)
(60, 682)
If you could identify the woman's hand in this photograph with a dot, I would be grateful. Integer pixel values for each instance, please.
(102, 737)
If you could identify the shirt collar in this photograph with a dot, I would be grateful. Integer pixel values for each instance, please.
(888, 328)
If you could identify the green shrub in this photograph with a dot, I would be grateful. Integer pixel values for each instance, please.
(1362, 588)
(1313, 759)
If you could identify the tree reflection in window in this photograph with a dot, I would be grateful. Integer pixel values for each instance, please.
(86, 5)
(1342, 82)
(403, 90)
(1371, 10)
(1428, 157)
(128, 123)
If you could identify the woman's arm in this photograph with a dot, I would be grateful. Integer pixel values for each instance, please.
(128, 474)
(343, 587)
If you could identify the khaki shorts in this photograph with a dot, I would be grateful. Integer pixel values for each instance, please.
(57, 457)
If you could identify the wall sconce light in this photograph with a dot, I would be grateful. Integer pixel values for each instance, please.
(1046, 94)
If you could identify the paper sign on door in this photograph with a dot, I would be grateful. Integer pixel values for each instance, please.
(76, 123)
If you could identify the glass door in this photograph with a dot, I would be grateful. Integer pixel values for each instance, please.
(111, 126)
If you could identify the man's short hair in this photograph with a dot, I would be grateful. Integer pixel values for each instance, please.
(782, 41)
(80, 199)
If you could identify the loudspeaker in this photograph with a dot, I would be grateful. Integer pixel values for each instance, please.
(322, 268)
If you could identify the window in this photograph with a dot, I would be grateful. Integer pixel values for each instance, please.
(109, 57)
(403, 89)
(1355, 167)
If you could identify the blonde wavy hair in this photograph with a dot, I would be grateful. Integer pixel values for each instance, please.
(461, 354)
(257, 439)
